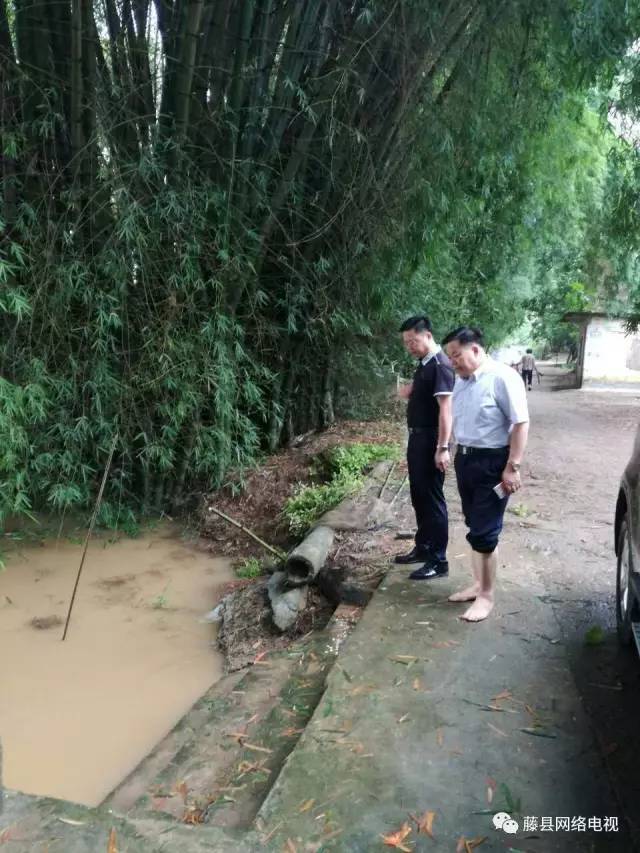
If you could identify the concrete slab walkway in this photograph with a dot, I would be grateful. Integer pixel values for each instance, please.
(424, 713)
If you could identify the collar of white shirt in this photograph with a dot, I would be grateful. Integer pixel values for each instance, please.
(428, 357)
(485, 367)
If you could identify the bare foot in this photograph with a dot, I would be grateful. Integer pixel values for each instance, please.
(468, 594)
(479, 610)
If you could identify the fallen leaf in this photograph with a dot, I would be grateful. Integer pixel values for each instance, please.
(252, 767)
(332, 834)
(491, 788)
(306, 806)
(362, 688)
(403, 718)
(538, 733)
(425, 824)
(182, 789)
(395, 839)
(472, 843)
(290, 847)
(440, 737)
(112, 845)
(71, 822)
(497, 730)
(195, 816)
(256, 748)
(239, 736)
(291, 732)
(505, 694)
(270, 835)
(462, 845)
(5, 835)
(405, 659)
(416, 684)
(260, 656)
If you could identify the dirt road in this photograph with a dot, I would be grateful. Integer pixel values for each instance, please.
(561, 527)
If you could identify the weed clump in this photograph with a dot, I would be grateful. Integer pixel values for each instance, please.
(342, 470)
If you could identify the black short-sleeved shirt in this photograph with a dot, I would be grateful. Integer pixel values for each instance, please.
(429, 381)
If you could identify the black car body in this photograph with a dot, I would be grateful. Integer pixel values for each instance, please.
(627, 544)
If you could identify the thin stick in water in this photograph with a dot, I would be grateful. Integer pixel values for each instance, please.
(89, 531)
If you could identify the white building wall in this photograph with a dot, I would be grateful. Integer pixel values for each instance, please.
(610, 355)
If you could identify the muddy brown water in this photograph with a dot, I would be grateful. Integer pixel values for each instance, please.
(77, 717)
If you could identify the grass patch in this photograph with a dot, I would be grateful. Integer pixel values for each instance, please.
(250, 568)
(342, 469)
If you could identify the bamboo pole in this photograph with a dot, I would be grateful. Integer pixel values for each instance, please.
(279, 554)
(89, 532)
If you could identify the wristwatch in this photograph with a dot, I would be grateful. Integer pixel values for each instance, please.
(443, 447)
(515, 466)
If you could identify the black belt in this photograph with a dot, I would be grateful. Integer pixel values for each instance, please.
(482, 451)
(413, 430)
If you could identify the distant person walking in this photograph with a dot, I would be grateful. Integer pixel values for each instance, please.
(490, 425)
(528, 364)
(429, 422)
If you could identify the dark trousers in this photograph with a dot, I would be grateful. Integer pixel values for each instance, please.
(427, 493)
(527, 377)
(483, 510)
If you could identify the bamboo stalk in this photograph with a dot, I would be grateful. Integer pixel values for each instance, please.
(279, 554)
(400, 488)
(96, 509)
(386, 480)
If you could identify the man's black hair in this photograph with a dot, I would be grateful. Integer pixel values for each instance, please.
(530, 350)
(464, 335)
(419, 323)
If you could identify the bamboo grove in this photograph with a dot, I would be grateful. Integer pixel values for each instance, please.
(214, 212)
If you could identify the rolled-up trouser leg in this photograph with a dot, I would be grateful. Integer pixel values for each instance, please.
(483, 510)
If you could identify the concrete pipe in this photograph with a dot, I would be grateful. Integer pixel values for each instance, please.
(305, 561)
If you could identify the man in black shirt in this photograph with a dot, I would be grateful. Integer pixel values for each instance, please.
(429, 423)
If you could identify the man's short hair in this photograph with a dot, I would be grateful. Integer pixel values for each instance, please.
(529, 350)
(419, 323)
(464, 335)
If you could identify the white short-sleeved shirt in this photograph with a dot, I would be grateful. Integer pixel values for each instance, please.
(488, 404)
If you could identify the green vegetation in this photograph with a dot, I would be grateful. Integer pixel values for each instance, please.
(214, 215)
(250, 568)
(161, 601)
(343, 467)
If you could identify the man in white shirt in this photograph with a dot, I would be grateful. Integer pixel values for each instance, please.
(491, 425)
(528, 364)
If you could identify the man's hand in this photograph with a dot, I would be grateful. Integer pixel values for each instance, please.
(442, 460)
(511, 480)
(404, 391)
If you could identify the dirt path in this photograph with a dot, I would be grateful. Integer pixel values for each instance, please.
(579, 445)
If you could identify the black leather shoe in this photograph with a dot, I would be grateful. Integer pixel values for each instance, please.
(432, 569)
(416, 555)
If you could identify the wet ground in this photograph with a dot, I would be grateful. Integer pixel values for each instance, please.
(77, 716)
(429, 716)
(580, 443)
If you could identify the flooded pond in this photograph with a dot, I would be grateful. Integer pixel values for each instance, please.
(76, 717)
